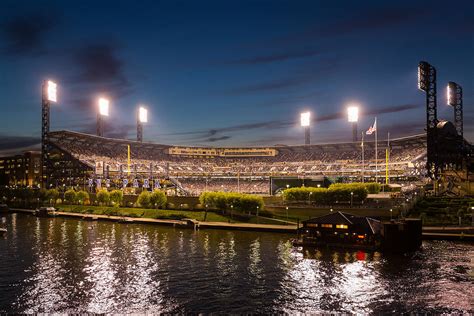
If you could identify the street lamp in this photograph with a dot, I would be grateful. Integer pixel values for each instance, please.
(352, 198)
(391, 211)
(142, 117)
(287, 214)
(353, 117)
(103, 111)
(309, 198)
(305, 122)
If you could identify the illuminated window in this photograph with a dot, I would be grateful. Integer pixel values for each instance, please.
(342, 226)
(312, 225)
(326, 225)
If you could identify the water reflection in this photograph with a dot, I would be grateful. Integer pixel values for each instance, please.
(63, 265)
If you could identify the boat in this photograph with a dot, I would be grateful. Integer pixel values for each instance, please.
(45, 211)
(345, 230)
(3, 231)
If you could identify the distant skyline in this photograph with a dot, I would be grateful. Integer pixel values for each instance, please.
(230, 73)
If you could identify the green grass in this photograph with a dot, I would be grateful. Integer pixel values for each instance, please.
(143, 213)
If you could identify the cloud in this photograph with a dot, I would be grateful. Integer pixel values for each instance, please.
(264, 59)
(111, 129)
(26, 34)
(306, 76)
(98, 68)
(366, 21)
(215, 139)
(11, 145)
(213, 134)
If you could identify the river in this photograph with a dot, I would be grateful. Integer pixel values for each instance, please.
(68, 265)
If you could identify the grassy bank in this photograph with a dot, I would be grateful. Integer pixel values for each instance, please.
(161, 214)
(143, 213)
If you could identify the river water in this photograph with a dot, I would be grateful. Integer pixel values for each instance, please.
(67, 265)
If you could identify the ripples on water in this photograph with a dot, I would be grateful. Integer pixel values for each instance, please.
(65, 265)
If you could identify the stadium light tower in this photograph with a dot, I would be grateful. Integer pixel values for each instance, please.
(305, 122)
(49, 95)
(103, 111)
(427, 83)
(353, 117)
(142, 117)
(455, 100)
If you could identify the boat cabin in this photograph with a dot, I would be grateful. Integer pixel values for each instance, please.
(342, 229)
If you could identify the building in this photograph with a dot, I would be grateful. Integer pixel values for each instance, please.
(21, 170)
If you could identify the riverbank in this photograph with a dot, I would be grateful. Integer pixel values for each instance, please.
(429, 233)
(183, 223)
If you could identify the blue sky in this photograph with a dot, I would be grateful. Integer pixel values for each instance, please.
(230, 73)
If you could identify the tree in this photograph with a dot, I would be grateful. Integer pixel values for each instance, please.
(116, 197)
(70, 196)
(52, 195)
(103, 197)
(82, 197)
(158, 199)
(144, 199)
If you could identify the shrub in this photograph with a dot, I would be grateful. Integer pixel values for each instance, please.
(337, 192)
(103, 197)
(82, 197)
(239, 202)
(70, 196)
(158, 199)
(116, 197)
(144, 199)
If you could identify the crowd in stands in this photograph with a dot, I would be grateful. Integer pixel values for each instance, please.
(153, 161)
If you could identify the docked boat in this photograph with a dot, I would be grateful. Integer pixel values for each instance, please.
(46, 211)
(344, 230)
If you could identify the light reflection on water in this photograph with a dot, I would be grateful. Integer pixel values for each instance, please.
(65, 265)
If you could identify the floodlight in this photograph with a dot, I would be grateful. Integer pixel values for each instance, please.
(142, 115)
(52, 91)
(305, 119)
(353, 113)
(103, 107)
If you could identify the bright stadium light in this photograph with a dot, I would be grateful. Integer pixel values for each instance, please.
(450, 95)
(52, 91)
(353, 113)
(103, 107)
(143, 115)
(305, 119)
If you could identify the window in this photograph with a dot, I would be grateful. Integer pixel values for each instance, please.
(326, 225)
(342, 226)
(312, 225)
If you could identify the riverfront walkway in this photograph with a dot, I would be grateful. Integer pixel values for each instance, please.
(441, 233)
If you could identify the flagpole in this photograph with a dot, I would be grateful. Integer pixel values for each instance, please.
(363, 164)
(376, 154)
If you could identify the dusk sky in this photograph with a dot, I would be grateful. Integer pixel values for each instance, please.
(230, 73)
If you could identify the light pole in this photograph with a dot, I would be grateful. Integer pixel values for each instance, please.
(103, 111)
(287, 215)
(257, 213)
(305, 122)
(352, 198)
(142, 117)
(49, 95)
(309, 198)
(353, 117)
(391, 211)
